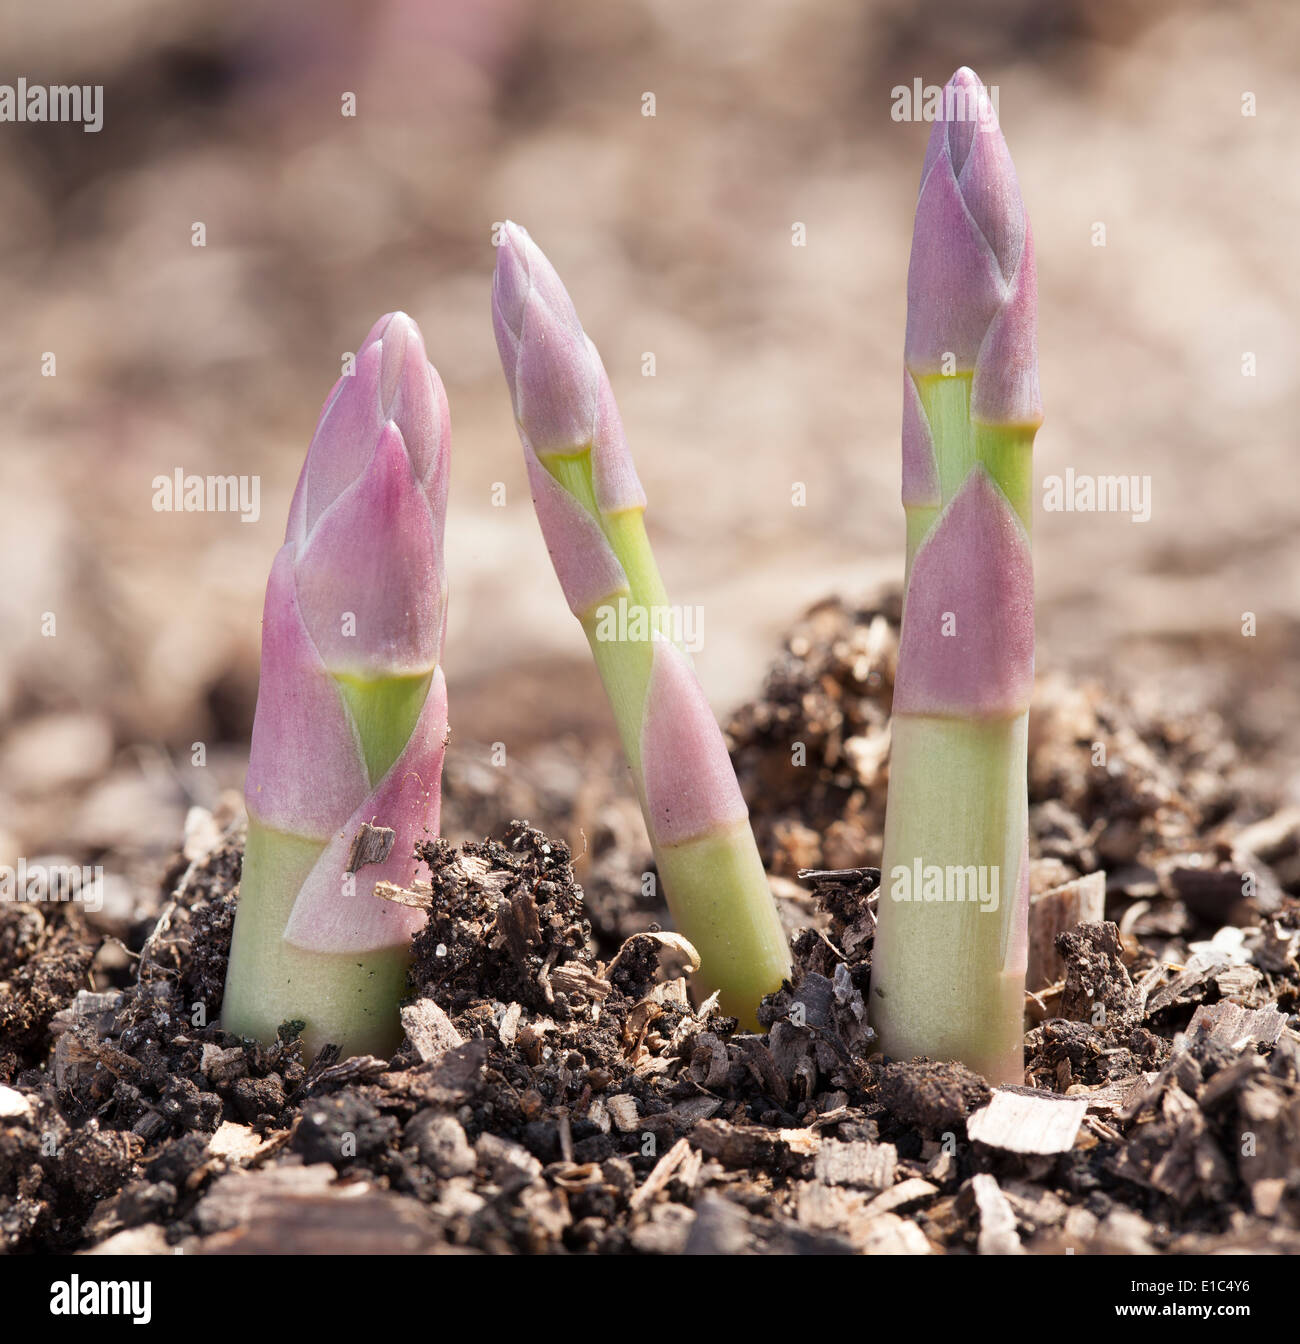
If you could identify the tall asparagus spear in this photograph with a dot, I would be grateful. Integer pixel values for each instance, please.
(949, 962)
(351, 714)
(591, 508)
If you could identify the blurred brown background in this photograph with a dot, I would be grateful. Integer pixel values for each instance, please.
(774, 363)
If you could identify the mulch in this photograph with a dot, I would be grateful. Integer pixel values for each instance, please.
(558, 1089)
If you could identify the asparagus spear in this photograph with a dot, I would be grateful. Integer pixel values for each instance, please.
(949, 961)
(351, 716)
(591, 508)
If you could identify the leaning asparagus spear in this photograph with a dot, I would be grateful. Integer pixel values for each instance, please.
(948, 967)
(351, 714)
(591, 508)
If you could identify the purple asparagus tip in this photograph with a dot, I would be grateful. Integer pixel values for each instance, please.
(554, 382)
(562, 398)
(971, 285)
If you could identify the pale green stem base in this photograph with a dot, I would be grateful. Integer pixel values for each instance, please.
(348, 1000)
(947, 979)
(944, 978)
(720, 900)
(715, 885)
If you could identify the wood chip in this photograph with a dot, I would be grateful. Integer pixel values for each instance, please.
(575, 978)
(742, 1146)
(710, 1063)
(505, 1162)
(888, 1234)
(335, 1221)
(1236, 1026)
(1035, 1204)
(694, 1109)
(673, 993)
(802, 1142)
(148, 1239)
(76, 1056)
(758, 1060)
(907, 1192)
(88, 1009)
(241, 1143)
(1238, 982)
(1022, 1122)
(720, 1228)
(430, 1030)
(1274, 838)
(1190, 985)
(635, 1026)
(454, 1076)
(672, 942)
(1108, 1099)
(1080, 1228)
(350, 1070)
(1122, 1232)
(1266, 1195)
(222, 1065)
(371, 844)
(1082, 901)
(942, 1166)
(827, 1207)
(418, 896)
(202, 835)
(14, 1106)
(548, 1213)
(681, 1156)
(664, 1231)
(236, 1199)
(997, 1219)
(509, 1027)
(623, 1111)
(865, 1166)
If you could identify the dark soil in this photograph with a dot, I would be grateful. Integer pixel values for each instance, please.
(558, 1091)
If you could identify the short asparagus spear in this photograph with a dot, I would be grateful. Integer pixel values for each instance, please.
(949, 961)
(591, 508)
(351, 716)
